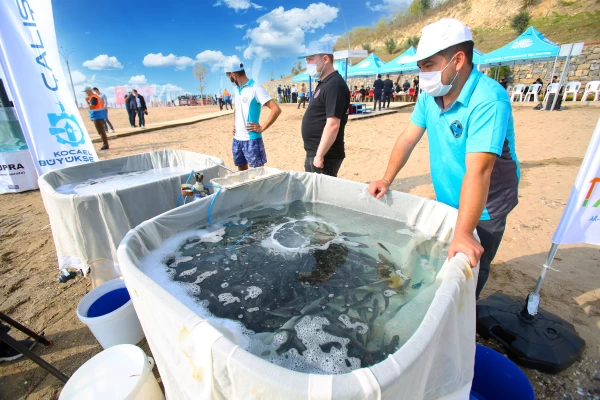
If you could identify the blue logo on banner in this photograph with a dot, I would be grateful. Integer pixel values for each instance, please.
(65, 128)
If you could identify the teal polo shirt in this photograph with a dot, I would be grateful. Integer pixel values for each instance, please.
(479, 121)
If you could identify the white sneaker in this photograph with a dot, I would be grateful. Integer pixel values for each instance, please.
(112, 131)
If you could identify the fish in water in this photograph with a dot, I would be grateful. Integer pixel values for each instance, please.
(353, 234)
(383, 247)
(418, 284)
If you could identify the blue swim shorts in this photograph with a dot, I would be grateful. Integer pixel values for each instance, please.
(251, 152)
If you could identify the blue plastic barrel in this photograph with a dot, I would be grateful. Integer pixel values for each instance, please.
(498, 378)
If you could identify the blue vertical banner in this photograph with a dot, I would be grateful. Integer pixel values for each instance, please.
(52, 125)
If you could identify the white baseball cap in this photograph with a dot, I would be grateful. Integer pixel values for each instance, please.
(440, 35)
(316, 47)
(234, 67)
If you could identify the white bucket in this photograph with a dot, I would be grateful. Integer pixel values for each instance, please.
(123, 372)
(120, 326)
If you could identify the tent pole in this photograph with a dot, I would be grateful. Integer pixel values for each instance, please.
(545, 268)
(565, 71)
(554, 68)
(533, 300)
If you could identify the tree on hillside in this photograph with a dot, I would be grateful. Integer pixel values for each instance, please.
(367, 47)
(413, 41)
(200, 74)
(520, 22)
(418, 7)
(503, 72)
(297, 68)
(390, 45)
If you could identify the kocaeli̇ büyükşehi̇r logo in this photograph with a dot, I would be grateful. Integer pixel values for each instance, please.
(65, 128)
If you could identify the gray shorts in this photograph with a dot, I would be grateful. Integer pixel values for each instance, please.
(490, 234)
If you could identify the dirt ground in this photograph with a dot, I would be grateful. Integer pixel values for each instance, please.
(550, 146)
(119, 119)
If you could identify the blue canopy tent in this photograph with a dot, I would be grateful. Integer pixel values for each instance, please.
(477, 56)
(368, 67)
(401, 64)
(301, 77)
(530, 47)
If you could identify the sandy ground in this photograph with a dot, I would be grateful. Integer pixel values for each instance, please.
(550, 147)
(119, 119)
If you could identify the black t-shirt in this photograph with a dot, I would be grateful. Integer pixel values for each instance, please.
(362, 92)
(388, 86)
(378, 86)
(331, 98)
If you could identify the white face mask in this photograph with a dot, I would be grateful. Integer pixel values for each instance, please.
(311, 69)
(431, 82)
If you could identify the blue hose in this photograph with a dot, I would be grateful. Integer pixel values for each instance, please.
(242, 238)
(212, 202)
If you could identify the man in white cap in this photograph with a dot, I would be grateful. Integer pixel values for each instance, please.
(248, 147)
(325, 119)
(469, 123)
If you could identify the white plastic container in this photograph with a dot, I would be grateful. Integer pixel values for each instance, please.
(123, 372)
(120, 326)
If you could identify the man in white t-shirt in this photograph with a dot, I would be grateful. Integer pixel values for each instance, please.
(248, 147)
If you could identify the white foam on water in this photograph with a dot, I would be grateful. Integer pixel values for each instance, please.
(358, 326)
(188, 272)
(253, 309)
(401, 275)
(204, 275)
(389, 293)
(179, 260)
(228, 298)
(116, 181)
(234, 257)
(214, 237)
(274, 246)
(224, 285)
(253, 292)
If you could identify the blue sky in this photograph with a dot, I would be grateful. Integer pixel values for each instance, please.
(120, 43)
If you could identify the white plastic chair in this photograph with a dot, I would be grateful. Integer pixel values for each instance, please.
(509, 89)
(550, 89)
(517, 91)
(572, 88)
(592, 87)
(534, 91)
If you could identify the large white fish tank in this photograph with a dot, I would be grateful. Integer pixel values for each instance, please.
(92, 206)
(286, 285)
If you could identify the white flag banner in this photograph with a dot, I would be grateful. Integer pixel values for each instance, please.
(17, 173)
(580, 222)
(54, 130)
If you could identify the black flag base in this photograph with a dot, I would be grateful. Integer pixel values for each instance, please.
(543, 341)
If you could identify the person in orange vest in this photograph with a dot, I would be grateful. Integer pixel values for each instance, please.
(227, 99)
(97, 114)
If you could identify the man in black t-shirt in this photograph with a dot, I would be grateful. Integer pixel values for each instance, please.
(325, 119)
(377, 92)
(388, 89)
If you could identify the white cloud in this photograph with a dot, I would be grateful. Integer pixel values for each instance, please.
(329, 38)
(78, 77)
(388, 5)
(237, 5)
(138, 80)
(239, 26)
(280, 33)
(216, 59)
(103, 61)
(158, 60)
